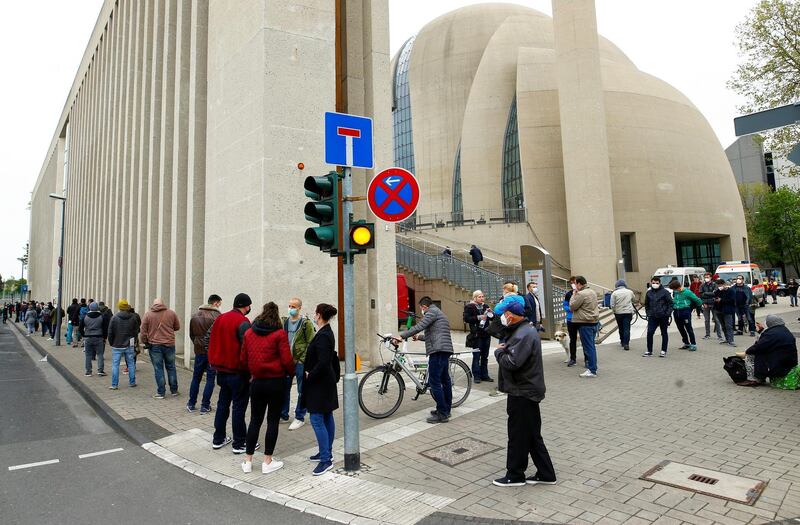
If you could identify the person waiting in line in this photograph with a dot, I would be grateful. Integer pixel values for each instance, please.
(46, 318)
(320, 396)
(533, 306)
(30, 319)
(94, 330)
(622, 306)
(658, 305)
(695, 286)
(707, 290)
(266, 356)
(158, 332)
(572, 329)
(72, 320)
(791, 290)
(684, 303)
(521, 376)
(586, 314)
(773, 355)
(744, 298)
(122, 331)
(199, 326)
(301, 331)
(476, 254)
(438, 348)
(725, 308)
(477, 315)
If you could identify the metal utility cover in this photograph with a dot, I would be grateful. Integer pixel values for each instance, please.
(459, 451)
(708, 482)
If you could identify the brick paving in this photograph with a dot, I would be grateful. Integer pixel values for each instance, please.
(601, 433)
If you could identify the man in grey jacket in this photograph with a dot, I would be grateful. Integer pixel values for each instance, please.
(439, 348)
(94, 329)
(522, 378)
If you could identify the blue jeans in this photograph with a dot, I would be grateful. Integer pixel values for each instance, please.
(324, 429)
(95, 347)
(116, 357)
(164, 357)
(480, 359)
(588, 333)
(200, 367)
(233, 389)
(793, 299)
(439, 381)
(299, 413)
(624, 324)
(683, 319)
(68, 338)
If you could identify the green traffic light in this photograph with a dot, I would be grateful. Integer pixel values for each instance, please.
(324, 211)
(319, 212)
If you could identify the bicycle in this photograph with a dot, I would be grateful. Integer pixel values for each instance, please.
(381, 390)
(639, 313)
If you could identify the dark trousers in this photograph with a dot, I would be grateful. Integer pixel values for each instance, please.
(201, 367)
(266, 395)
(480, 359)
(653, 324)
(683, 319)
(233, 390)
(727, 325)
(439, 381)
(744, 313)
(624, 324)
(572, 330)
(524, 439)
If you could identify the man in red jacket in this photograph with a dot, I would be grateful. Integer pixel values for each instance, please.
(224, 345)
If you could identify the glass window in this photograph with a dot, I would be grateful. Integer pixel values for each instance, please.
(627, 242)
(458, 201)
(703, 252)
(513, 200)
(401, 115)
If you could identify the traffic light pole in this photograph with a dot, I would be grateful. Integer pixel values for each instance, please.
(352, 453)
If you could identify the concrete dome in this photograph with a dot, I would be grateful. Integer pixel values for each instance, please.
(468, 67)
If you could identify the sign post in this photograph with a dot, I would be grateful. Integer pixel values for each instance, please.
(348, 143)
(537, 265)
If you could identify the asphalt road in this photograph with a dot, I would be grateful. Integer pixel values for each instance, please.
(43, 419)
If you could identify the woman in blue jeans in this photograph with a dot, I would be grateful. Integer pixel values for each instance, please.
(320, 396)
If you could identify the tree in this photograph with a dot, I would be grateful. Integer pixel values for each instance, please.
(752, 195)
(776, 227)
(769, 73)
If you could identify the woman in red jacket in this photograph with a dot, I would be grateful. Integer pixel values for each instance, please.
(266, 355)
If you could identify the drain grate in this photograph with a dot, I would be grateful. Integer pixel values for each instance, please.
(709, 482)
(460, 451)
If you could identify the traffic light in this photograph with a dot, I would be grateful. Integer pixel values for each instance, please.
(362, 236)
(324, 211)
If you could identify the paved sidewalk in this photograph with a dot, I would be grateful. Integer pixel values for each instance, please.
(602, 434)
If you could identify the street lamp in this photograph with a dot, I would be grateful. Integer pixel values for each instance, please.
(63, 199)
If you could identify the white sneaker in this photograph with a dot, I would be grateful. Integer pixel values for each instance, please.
(588, 373)
(297, 423)
(247, 467)
(274, 465)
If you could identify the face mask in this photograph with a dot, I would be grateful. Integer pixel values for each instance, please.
(708, 280)
(655, 286)
(534, 290)
(720, 288)
(739, 281)
(574, 286)
(292, 312)
(504, 320)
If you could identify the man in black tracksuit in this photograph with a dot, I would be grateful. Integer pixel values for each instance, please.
(522, 378)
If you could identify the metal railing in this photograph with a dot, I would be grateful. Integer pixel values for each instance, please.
(432, 221)
(434, 248)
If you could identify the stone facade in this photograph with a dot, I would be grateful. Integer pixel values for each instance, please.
(187, 120)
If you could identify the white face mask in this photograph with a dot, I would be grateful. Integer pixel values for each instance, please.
(574, 286)
(504, 320)
(534, 290)
(708, 279)
(655, 286)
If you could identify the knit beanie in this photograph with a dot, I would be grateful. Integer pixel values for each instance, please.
(241, 300)
(123, 305)
(774, 320)
(94, 307)
(619, 283)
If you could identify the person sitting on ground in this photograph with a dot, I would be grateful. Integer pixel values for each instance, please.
(773, 355)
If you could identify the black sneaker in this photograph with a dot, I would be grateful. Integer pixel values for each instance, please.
(505, 481)
(487, 379)
(87, 374)
(101, 374)
(534, 480)
(243, 449)
(217, 446)
(438, 418)
(684, 347)
(647, 354)
(626, 347)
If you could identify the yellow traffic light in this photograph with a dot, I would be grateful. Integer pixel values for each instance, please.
(361, 236)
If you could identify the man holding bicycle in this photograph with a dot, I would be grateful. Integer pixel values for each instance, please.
(438, 348)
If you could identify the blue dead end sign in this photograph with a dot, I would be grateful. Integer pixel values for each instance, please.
(348, 140)
(393, 195)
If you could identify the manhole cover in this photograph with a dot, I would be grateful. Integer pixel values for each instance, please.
(708, 482)
(459, 451)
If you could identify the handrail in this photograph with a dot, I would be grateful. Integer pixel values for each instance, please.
(441, 247)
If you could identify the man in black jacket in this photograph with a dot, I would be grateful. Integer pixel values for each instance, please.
(522, 378)
(773, 355)
(658, 305)
(72, 313)
(94, 328)
(122, 331)
(707, 290)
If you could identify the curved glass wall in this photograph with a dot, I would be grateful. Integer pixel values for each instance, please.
(458, 199)
(401, 111)
(513, 199)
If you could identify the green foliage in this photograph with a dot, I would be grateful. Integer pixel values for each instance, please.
(13, 286)
(775, 227)
(769, 73)
(753, 195)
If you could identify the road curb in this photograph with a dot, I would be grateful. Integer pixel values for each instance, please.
(105, 412)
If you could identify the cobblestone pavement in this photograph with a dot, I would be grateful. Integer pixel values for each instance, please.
(602, 434)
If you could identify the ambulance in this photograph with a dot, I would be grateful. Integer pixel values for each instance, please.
(682, 274)
(750, 271)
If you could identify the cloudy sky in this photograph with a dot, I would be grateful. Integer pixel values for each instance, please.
(688, 43)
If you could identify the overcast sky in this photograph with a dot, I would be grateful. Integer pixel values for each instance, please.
(688, 43)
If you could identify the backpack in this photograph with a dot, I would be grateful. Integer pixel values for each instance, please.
(734, 365)
(45, 315)
(82, 312)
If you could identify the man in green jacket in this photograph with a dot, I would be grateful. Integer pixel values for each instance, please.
(684, 303)
(300, 331)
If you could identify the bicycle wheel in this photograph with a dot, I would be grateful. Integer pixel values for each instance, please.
(381, 392)
(461, 377)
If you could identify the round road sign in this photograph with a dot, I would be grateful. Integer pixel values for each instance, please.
(393, 194)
